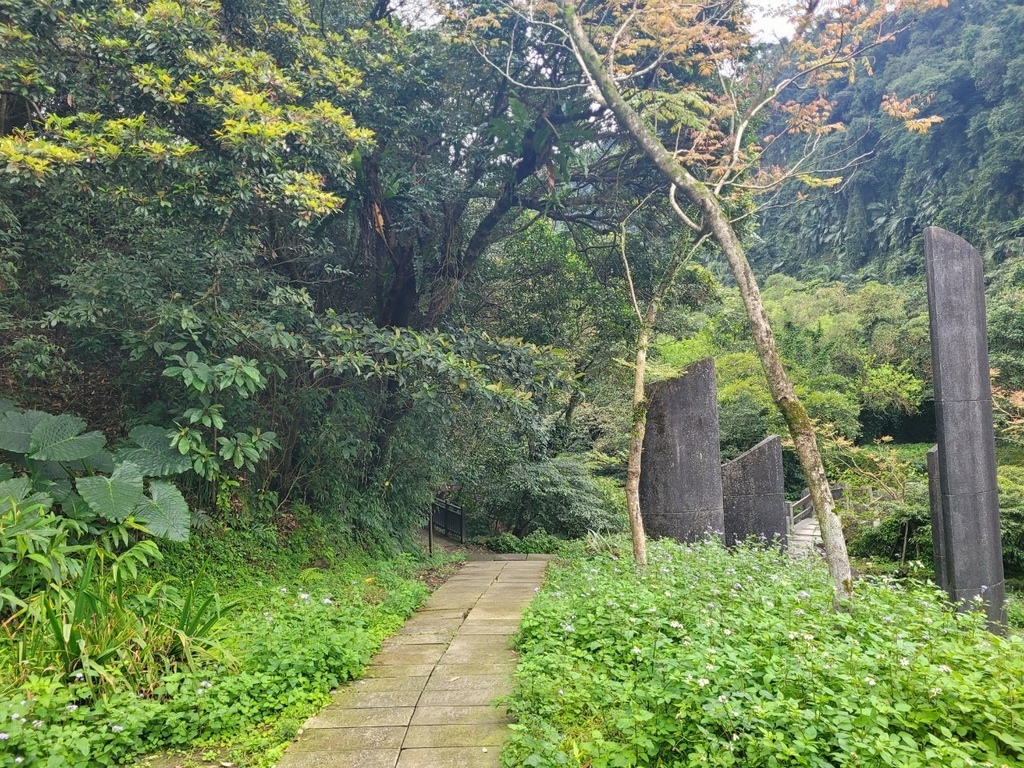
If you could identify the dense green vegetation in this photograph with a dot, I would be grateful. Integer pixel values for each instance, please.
(275, 275)
(165, 663)
(961, 64)
(715, 657)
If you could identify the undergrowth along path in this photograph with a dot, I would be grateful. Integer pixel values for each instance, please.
(428, 697)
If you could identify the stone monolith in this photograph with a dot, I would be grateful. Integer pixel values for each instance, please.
(963, 404)
(680, 472)
(754, 496)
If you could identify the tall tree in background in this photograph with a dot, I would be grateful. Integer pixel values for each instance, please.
(688, 84)
(185, 188)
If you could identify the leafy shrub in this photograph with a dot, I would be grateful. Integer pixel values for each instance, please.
(903, 528)
(710, 657)
(1015, 610)
(903, 531)
(557, 494)
(73, 605)
(535, 542)
(58, 465)
(107, 631)
(1011, 516)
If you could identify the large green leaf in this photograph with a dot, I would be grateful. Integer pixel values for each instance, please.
(112, 498)
(17, 490)
(164, 511)
(6, 473)
(7, 405)
(76, 508)
(154, 454)
(58, 488)
(101, 461)
(16, 430)
(59, 438)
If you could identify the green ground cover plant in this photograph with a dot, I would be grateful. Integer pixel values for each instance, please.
(278, 648)
(712, 657)
(535, 542)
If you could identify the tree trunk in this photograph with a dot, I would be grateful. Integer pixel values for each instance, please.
(639, 412)
(800, 426)
(636, 445)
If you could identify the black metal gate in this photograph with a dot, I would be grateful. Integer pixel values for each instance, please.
(449, 520)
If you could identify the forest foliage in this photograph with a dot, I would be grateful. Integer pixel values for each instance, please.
(285, 272)
(296, 239)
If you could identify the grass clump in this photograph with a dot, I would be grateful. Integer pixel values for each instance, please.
(719, 658)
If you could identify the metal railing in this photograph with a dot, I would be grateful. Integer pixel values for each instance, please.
(448, 519)
(803, 508)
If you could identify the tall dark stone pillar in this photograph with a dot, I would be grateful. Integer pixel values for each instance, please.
(680, 470)
(963, 405)
(754, 495)
(939, 543)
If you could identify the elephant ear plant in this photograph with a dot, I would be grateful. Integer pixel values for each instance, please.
(77, 522)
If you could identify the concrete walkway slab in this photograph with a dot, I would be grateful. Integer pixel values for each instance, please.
(461, 715)
(356, 738)
(805, 538)
(450, 757)
(428, 698)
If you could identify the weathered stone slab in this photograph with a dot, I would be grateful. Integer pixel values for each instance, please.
(440, 614)
(417, 638)
(478, 697)
(422, 622)
(488, 667)
(399, 670)
(452, 715)
(484, 643)
(495, 613)
(939, 541)
(361, 698)
(492, 654)
(680, 477)
(963, 399)
(753, 494)
(360, 718)
(390, 684)
(450, 757)
(467, 682)
(361, 758)
(476, 735)
(410, 654)
(334, 739)
(477, 627)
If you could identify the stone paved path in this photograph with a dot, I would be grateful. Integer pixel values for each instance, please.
(427, 698)
(804, 537)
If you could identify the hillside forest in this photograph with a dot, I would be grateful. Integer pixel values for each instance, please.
(276, 275)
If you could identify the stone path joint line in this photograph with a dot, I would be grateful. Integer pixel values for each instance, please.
(427, 699)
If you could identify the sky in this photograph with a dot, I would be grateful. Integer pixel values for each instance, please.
(767, 25)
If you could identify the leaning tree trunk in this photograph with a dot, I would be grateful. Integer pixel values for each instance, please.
(636, 445)
(800, 427)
